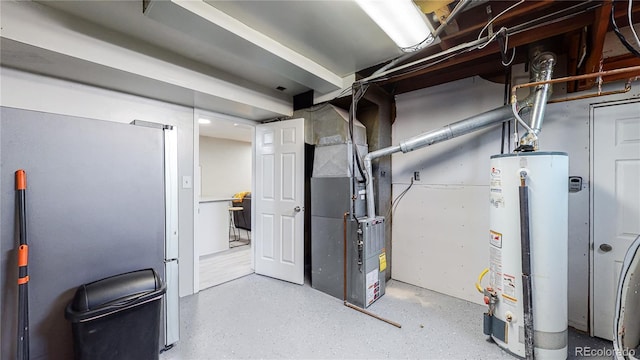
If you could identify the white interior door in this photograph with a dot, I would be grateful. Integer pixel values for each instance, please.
(616, 203)
(279, 200)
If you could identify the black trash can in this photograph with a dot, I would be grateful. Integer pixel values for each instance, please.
(117, 317)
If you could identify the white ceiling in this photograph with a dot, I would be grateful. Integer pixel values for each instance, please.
(258, 45)
(224, 127)
(126, 17)
(336, 35)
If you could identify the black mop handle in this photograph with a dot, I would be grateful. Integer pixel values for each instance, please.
(23, 274)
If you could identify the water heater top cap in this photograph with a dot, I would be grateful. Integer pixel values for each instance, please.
(534, 153)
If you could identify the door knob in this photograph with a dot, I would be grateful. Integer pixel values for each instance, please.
(296, 209)
(605, 247)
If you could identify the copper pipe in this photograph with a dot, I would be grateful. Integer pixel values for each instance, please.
(344, 278)
(627, 88)
(514, 97)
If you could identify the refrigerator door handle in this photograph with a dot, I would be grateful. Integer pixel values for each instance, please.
(172, 304)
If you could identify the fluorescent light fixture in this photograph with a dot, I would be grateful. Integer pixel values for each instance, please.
(204, 121)
(242, 126)
(402, 20)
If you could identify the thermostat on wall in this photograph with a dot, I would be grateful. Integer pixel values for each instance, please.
(575, 183)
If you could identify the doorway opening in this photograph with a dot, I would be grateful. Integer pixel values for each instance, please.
(223, 234)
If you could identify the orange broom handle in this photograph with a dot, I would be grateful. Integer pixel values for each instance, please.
(23, 260)
(21, 180)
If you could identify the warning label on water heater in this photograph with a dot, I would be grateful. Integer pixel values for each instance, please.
(509, 285)
(496, 200)
(495, 188)
(495, 239)
(495, 268)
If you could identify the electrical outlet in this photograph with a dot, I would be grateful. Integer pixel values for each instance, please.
(416, 175)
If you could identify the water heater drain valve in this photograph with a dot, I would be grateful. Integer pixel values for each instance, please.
(490, 298)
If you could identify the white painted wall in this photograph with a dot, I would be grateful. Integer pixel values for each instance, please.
(34, 92)
(440, 227)
(225, 167)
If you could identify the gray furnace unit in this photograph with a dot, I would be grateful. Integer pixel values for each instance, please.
(338, 214)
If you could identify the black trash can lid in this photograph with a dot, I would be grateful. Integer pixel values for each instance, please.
(116, 288)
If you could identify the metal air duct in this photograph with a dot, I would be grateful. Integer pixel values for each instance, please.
(469, 125)
(542, 69)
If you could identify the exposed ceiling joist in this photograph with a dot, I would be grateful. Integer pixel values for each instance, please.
(420, 78)
(598, 33)
(513, 17)
(573, 29)
(262, 45)
(619, 62)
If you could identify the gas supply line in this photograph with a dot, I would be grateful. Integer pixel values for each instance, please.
(636, 69)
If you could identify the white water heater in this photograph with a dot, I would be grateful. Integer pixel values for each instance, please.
(545, 175)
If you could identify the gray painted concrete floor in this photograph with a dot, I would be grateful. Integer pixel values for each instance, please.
(259, 317)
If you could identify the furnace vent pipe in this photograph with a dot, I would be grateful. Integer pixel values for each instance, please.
(541, 70)
(462, 127)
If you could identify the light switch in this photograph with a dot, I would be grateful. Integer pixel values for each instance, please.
(186, 182)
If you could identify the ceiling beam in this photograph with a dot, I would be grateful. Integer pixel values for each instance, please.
(619, 62)
(598, 34)
(200, 20)
(515, 15)
(29, 28)
(575, 44)
(486, 65)
(516, 40)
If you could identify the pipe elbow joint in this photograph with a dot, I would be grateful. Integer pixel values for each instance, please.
(367, 158)
(543, 65)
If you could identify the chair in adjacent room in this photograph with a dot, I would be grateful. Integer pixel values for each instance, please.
(232, 224)
(242, 218)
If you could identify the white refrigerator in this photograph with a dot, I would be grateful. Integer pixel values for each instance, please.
(102, 199)
(171, 315)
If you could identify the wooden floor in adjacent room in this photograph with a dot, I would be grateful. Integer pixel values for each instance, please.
(227, 265)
